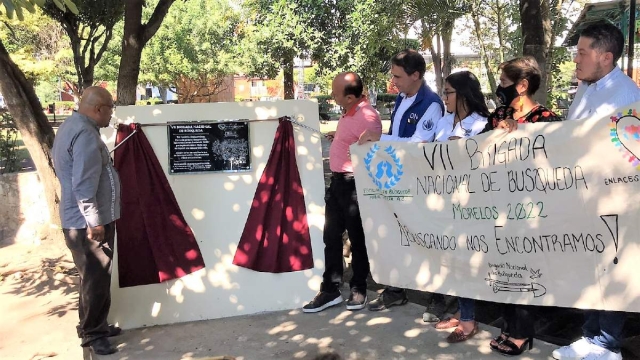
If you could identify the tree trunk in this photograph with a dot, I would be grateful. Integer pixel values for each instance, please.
(483, 52)
(536, 34)
(87, 77)
(499, 15)
(136, 36)
(132, 44)
(447, 33)
(163, 93)
(129, 70)
(34, 127)
(288, 78)
(437, 68)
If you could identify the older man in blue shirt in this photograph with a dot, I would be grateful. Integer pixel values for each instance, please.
(89, 206)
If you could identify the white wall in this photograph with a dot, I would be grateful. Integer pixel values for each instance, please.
(216, 206)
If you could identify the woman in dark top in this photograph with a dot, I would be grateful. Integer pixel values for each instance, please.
(519, 81)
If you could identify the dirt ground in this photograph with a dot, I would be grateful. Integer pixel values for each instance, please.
(38, 298)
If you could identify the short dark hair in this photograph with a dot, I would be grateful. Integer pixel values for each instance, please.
(354, 87)
(523, 68)
(606, 38)
(410, 61)
(467, 87)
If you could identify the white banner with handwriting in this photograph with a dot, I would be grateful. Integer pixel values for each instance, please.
(546, 215)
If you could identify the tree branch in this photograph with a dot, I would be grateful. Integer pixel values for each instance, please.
(13, 33)
(88, 41)
(152, 26)
(104, 46)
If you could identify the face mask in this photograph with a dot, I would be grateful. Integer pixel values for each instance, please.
(506, 95)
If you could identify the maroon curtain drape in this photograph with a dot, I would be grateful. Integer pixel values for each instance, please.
(276, 236)
(155, 244)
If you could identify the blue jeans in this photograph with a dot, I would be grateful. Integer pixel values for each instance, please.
(604, 328)
(467, 309)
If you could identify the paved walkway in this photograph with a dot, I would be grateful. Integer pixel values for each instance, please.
(398, 333)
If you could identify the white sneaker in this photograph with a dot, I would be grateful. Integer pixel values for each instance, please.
(575, 351)
(600, 353)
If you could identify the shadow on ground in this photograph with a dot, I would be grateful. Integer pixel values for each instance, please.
(399, 333)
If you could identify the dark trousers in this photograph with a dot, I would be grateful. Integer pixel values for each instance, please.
(342, 213)
(604, 328)
(93, 260)
(519, 321)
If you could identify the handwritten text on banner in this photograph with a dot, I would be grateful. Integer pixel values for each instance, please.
(546, 215)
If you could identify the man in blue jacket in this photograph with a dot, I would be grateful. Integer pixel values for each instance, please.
(417, 107)
(413, 119)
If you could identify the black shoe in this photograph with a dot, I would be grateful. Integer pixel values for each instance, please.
(114, 331)
(388, 298)
(512, 349)
(322, 301)
(435, 310)
(357, 300)
(102, 346)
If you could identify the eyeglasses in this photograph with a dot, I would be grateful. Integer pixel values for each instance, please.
(445, 94)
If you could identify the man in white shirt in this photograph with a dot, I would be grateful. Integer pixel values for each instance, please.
(604, 88)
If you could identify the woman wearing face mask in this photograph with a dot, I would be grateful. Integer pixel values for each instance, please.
(519, 81)
(467, 116)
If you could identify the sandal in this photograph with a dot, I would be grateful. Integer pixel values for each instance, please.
(447, 324)
(498, 340)
(458, 335)
(513, 349)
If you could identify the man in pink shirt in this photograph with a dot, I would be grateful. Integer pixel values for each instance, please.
(341, 211)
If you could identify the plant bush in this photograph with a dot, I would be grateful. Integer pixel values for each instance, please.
(65, 105)
(153, 101)
(8, 146)
(386, 101)
(323, 103)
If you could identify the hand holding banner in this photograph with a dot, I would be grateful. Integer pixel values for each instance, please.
(545, 215)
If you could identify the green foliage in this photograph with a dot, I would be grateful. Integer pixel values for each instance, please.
(562, 72)
(65, 105)
(18, 6)
(386, 101)
(323, 103)
(38, 46)
(47, 91)
(277, 31)
(495, 25)
(365, 36)
(89, 30)
(8, 144)
(90, 13)
(108, 67)
(387, 98)
(152, 101)
(197, 42)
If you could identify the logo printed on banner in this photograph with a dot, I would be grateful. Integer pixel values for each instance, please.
(625, 134)
(385, 175)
